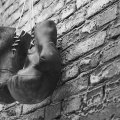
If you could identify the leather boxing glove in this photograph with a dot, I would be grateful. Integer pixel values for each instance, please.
(10, 62)
(42, 68)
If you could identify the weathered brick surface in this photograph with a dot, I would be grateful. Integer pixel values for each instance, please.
(114, 31)
(11, 113)
(71, 105)
(109, 112)
(97, 5)
(105, 73)
(107, 16)
(95, 96)
(70, 88)
(69, 38)
(70, 72)
(37, 115)
(52, 111)
(84, 46)
(111, 50)
(68, 10)
(29, 108)
(81, 3)
(70, 117)
(88, 41)
(90, 26)
(83, 65)
(74, 20)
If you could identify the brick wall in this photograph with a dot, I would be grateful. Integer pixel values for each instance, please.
(89, 43)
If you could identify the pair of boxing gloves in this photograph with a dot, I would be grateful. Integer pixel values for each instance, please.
(29, 73)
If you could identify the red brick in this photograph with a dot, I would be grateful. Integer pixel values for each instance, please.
(55, 18)
(70, 88)
(59, 6)
(69, 73)
(70, 117)
(101, 19)
(49, 11)
(68, 10)
(6, 106)
(89, 62)
(45, 14)
(74, 20)
(37, 115)
(105, 73)
(52, 111)
(4, 116)
(83, 65)
(13, 111)
(113, 93)
(7, 4)
(81, 3)
(82, 47)
(97, 5)
(71, 105)
(69, 38)
(16, 6)
(95, 96)
(11, 9)
(109, 112)
(46, 3)
(93, 116)
(13, 18)
(112, 85)
(61, 28)
(111, 50)
(89, 26)
(113, 90)
(107, 16)
(114, 31)
(29, 108)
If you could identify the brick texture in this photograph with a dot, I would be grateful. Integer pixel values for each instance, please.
(88, 34)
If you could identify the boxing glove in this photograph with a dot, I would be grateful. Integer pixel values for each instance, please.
(42, 68)
(11, 62)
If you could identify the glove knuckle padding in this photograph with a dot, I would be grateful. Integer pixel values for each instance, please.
(10, 63)
(42, 68)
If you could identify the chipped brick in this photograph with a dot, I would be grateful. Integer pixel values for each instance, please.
(89, 26)
(37, 115)
(67, 11)
(80, 3)
(52, 111)
(69, 38)
(30, 108)
(105, 73)
(107, 16)
(97, 5)
(110, 51)
(69, 73)
(95, 96)
(114, 31)
(71, 105)
(70, 88)
(74, 20)
(84, 46)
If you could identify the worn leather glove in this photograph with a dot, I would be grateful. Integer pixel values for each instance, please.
(10, 62)
(42, 68)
